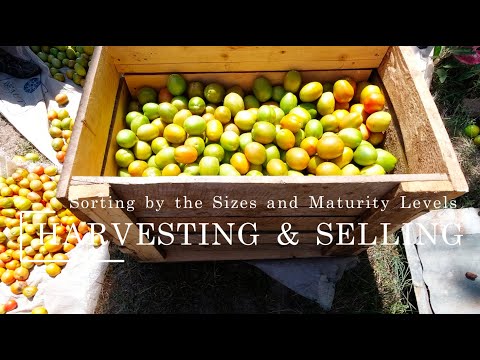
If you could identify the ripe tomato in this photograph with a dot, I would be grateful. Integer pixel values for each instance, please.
(10, 305)
(343, 91)
(373, 102)
(297, 158)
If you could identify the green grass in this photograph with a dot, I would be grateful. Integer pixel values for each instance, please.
(460, 82)
(13, 143)
(378, 284)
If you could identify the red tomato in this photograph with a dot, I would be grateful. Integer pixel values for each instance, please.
(10, 305)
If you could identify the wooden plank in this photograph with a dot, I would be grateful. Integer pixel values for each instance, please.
(264, 223)
(198, 240)
(114, 215)
(319, 180)
(256, 191)
(242, 79)
(183, 253)
(110, 167)
(156, 59)
(92, 124)
(427, 144)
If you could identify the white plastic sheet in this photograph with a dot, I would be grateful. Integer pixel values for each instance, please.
(25, 102)
(74, 291)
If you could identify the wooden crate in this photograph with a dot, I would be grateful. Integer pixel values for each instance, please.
(427, 168)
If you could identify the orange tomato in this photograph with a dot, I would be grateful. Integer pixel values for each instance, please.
(285, 139)
(51, 115)
(171, 170)
(309, 144)
(6, 257)
(83, 228)
(297, 158)
(17, 254)
(68, 247)
(60, 156)
(44, 178)
(17, 287)
(61, 259)
(185, 154)
(10, 305)
(255, 153)
(359, 108)
(328, 168)
(378, 121)
(277, 167)
(72, 238)
(351, 120)
(343, 91)
(292, 122)
(12, 265)
(373, 102)
(365, 132)
(367, 90)
(8, 277)
(174, 134)
(240, 163)
(38, 259)
(329, 147)
(64, 220)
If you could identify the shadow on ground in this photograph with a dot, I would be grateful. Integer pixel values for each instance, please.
(223, 287)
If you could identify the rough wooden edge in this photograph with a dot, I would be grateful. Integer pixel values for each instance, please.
(153, 59)
(400, 178)
(177, 254)
(118, 117)
(399, 62)
(102, 74)
(64, 183)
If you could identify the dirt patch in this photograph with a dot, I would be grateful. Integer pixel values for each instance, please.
(13, 143)
(472, 106)
(238, 287)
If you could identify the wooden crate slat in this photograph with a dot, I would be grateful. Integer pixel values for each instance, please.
(92, 124)
(255, 189)
(264, 223)
(181, 253)
(118, 123)
(148, 59)
(427, 144)
(197, 240)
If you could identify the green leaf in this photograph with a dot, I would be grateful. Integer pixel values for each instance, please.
(466, 75)
(463, 51)
(437, 50)
(442, 75)
(451, 66)
(476, 67)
